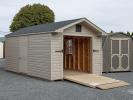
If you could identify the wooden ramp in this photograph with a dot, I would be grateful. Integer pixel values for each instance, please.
(93, 80)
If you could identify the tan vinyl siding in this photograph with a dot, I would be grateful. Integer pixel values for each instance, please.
(39, 56)
(97, 56)
(56, 57)
(97, 59)
(12, 54)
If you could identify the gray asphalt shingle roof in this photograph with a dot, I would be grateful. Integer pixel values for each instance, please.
(50, 27)
(110, 34)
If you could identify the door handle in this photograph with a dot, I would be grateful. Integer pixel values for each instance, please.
(59, 51)
(19, 58)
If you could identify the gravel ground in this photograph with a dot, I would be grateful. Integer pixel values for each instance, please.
(20, 87)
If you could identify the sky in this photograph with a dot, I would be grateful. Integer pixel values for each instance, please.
(116, 15)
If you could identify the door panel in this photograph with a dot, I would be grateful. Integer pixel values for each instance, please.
(124, 46)
(115, 61)
(77, 54)
(125, 54)
(124, 61)
(23, 47)
(119, 54)
(115, 47)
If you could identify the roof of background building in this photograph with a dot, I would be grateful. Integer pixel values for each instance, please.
(2, 39)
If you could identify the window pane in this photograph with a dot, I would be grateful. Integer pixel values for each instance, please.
(115, 46)
(69, 45)
(124, 46)
(78, 28)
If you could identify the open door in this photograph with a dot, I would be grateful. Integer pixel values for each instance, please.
(23, 49)
(77, 53)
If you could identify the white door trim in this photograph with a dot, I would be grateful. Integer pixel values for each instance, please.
(119, 55)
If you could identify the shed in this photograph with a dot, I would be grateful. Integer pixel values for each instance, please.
(2, 47)
(117, 52)
(47, 50)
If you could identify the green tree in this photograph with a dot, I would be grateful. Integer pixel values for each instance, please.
(128, 33)
(132, 34)
(30, 15)
(111, 31)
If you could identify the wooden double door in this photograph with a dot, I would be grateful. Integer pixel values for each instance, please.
(77, 53)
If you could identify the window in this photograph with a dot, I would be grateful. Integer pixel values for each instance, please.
(69, 45)
(78, 28)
